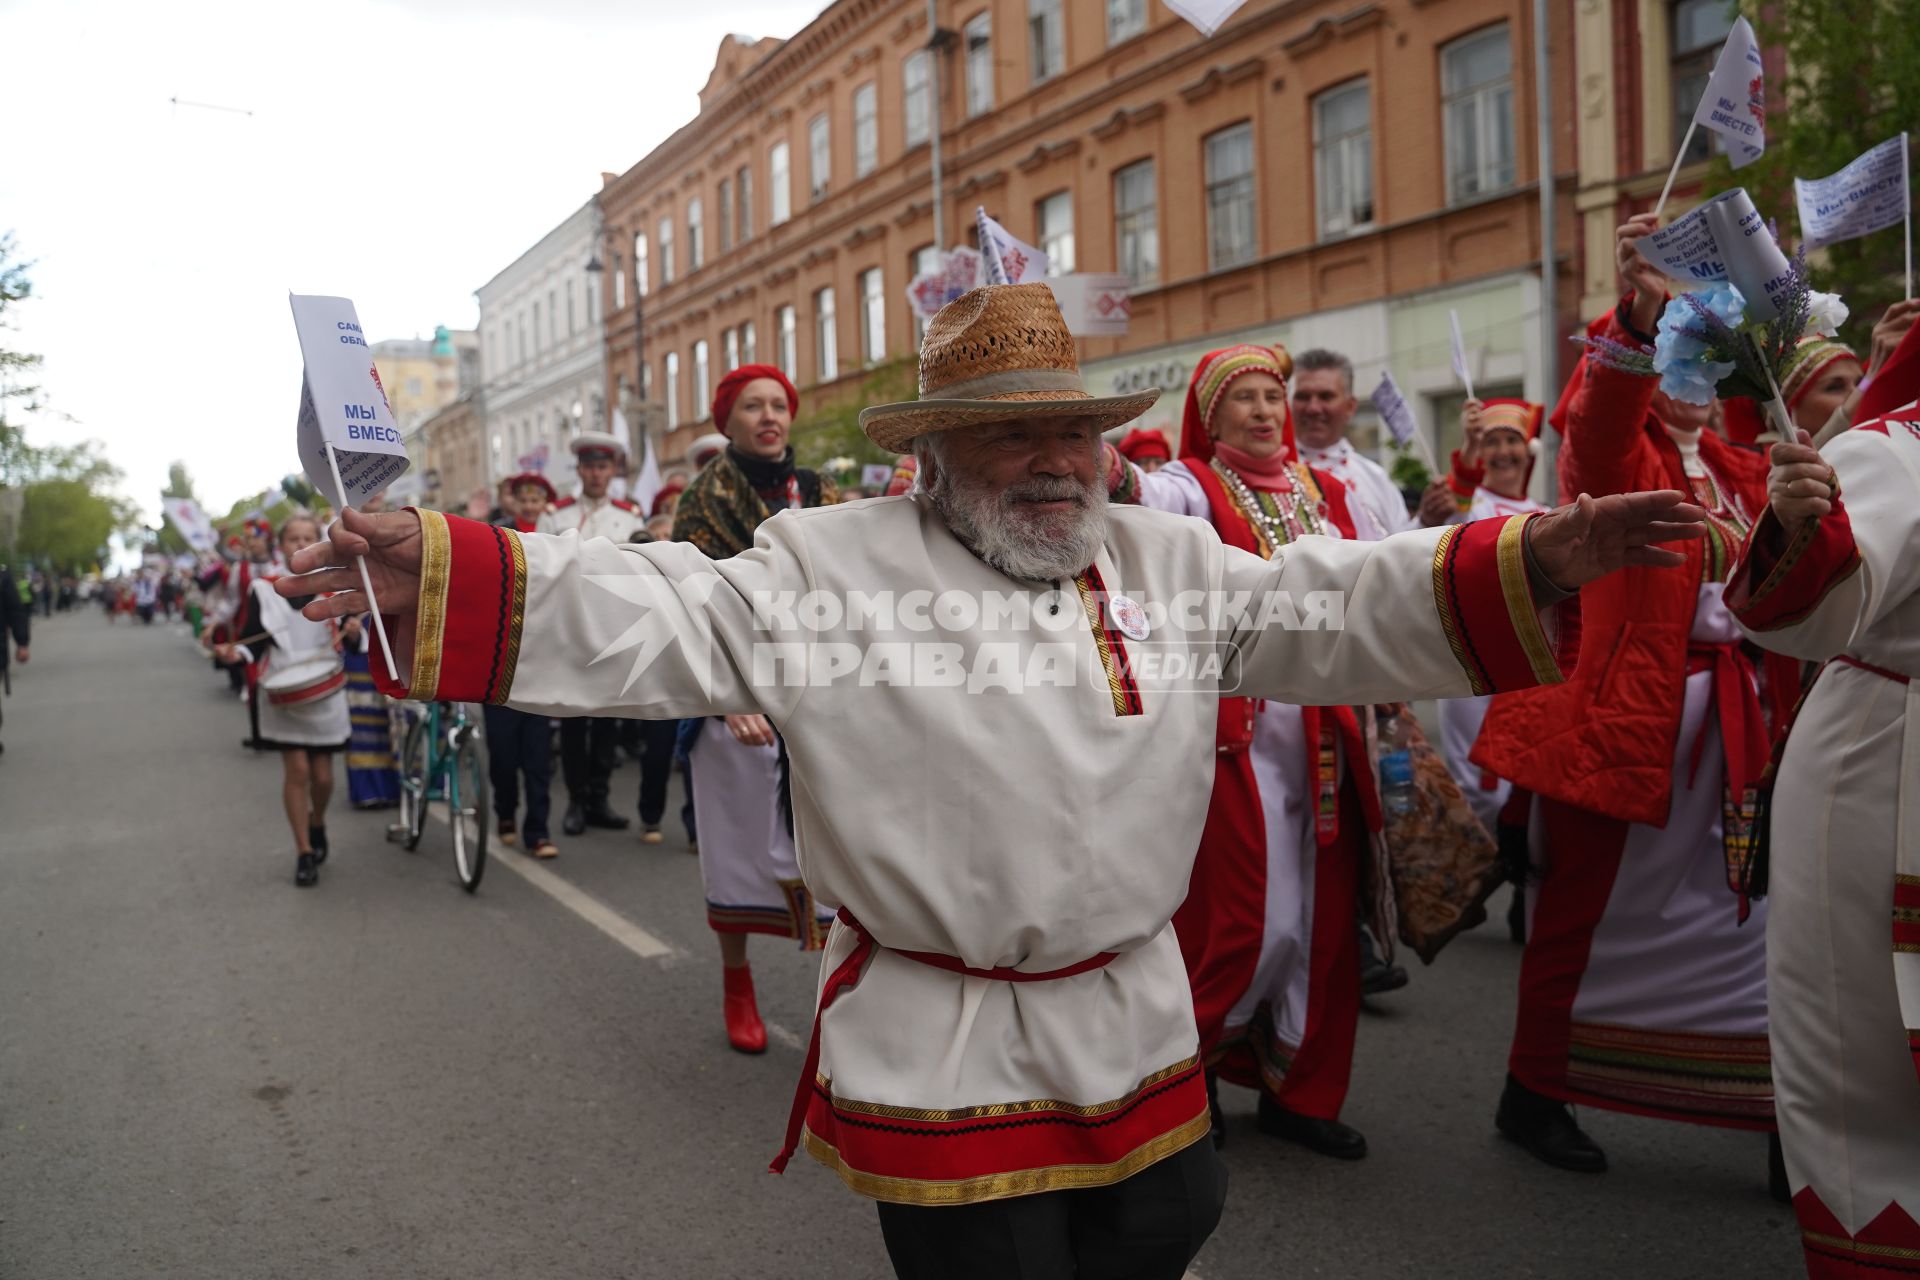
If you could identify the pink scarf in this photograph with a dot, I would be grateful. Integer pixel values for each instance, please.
(1269, 473)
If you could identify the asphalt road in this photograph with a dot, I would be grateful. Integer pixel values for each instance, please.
(205, 1072)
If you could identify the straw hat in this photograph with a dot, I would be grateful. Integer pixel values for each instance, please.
(995, 354)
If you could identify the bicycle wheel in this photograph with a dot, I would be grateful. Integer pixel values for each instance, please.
(414, 750)
(467, 810)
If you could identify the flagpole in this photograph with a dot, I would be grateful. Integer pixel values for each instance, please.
(366, 579)
(1674, 172)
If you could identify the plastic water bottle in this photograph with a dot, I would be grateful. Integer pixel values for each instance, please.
(1396, 783)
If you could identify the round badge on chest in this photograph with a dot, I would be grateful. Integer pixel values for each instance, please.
(1128, 616)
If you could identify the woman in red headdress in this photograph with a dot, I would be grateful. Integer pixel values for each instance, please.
(1267, 929)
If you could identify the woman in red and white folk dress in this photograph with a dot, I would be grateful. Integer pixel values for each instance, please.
(1643, 987)
(1267, 929)
(274, 635)
(1489, 477)
(1831, 576)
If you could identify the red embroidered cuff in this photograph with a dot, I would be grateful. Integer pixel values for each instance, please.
(1487, 609)
(1463, 479)
(1778, 580)
(473, 599)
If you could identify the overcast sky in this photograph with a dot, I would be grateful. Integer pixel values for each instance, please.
(398, 153)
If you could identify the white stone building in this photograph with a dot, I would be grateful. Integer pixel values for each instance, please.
(543, 352)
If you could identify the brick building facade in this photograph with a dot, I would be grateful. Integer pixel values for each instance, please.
(1319, 173)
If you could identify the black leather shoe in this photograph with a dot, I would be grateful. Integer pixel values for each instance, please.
(1214, 1113)
(575, 822)
(317, 837)
(1545, 1128)
(1328, 1137)
(606, 819)
(1777, 1185)
(306, 871)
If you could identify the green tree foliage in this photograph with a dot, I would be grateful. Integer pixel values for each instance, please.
(1853, 80)
(69, 525)
(833, 431)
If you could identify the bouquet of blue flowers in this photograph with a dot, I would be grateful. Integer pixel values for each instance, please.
(1706, 345)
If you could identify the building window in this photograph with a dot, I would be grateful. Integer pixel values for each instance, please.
(1054, 219)
(779, 185)
(665, 236)
(873, 315)
(921, 261)
(1232, 233)
(749, 349)
(726, 214)
(819, 154)
(978, 40)
(1476, 75)
(523, 337)
(866, 130)
(1136, 224)
(702, 386)
(826, 339)
(1125, 20)
(696, 235)
(640, 264)
(729, 351)
(413, 386)
(1343, 159)
(786, 335)
(646, 384)
(619, 285)
(673, 389)
(1046, 42)
(536, 328)
(1699, 29)
(918, 97)
(573, 326)
(743, 205)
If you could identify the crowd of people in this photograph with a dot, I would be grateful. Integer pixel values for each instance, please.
(1012, 923)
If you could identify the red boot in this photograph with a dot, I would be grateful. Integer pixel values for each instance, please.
(745, 1031)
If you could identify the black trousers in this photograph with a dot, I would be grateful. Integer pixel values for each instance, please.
(1147, 1227)
(656, 767)
(586, 757)
(520, 743)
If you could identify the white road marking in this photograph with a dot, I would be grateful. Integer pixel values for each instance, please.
(587, 907)
(784, 1036)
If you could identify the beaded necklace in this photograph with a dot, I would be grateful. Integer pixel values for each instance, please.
(1276, 518)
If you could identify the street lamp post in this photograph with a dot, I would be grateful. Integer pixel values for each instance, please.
(594, 267)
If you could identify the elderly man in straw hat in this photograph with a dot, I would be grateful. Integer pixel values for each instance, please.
(969, 680)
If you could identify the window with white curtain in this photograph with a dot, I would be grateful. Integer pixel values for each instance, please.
(665, 236)
(1343, 159)
(702, 383)
(1232, 235)
(729, 350)
(1136, 224)
(672, 381)
(922, 260)
(1053, 219)
(743, 205)
(640, 283)
(819, 154)
(696, 234)
(749, 349)
(977, 39)
(1476, 77)
(1046, 40)
(866, 130)
(917, 97)
(779, 184)
(787, 338)
(873, 315)
(1125, 20)
(826, 337)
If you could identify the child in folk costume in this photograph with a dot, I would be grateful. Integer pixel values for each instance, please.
(1643, 986)
(1829, 574)
(1267, 928)
(1489, 477)
(520, 744)
(301, 697)
(736, 766)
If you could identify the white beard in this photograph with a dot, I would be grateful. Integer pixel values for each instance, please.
(1035, 547)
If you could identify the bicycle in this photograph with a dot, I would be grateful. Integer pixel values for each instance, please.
(440, 759)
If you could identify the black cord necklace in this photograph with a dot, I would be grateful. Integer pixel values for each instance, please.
(1054, 608)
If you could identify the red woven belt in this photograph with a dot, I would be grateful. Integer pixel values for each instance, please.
(848, 973)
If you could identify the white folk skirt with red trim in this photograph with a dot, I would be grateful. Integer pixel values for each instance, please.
(747, 861)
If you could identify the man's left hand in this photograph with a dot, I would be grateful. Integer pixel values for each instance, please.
(1592, 537)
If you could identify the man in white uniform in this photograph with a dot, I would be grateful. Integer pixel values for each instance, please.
(1005, 1054)
(588, 743)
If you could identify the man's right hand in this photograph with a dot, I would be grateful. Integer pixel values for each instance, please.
(390, 542)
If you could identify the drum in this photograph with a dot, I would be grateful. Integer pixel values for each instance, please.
(303, 680)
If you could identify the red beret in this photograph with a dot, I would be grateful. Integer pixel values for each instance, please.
(734, 383)
(672, 486)
(532, 477)
(1142, 443)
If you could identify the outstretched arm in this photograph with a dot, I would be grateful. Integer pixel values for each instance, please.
(559, 626)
